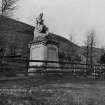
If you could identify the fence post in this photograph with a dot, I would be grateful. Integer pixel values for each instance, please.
(86, 69)
(27, 64)
(44, 66)
(94, 71)
(74, 72)
(27, 60)
(62, 65)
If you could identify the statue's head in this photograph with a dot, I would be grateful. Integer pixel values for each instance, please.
(40, 27)
(39, 19)
(41, 15)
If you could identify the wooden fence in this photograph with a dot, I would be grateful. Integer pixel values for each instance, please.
(15, 66)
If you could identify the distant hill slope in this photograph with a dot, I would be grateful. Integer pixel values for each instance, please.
(97, 52)
(16, 36)
(11, 24)
(65, 45)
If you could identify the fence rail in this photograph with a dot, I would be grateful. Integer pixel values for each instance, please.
(16, 66)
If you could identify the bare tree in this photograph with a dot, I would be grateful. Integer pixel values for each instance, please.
(90, 44)
(72, 47)
(7, 7)
(71, 37)
(102, 49)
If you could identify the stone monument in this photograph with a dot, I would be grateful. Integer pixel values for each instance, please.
(43, 47)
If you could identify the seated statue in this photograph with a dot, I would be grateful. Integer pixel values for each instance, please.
(40, 27)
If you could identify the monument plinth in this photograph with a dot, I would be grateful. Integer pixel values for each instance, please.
(43, 47)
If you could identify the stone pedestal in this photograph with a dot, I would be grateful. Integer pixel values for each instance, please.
(43, 48)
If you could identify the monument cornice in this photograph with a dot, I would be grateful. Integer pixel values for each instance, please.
(44, 39)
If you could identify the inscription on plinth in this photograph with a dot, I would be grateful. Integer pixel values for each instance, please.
(52, 55)
(37, 52)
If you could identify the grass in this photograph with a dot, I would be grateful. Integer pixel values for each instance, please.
(55, 90)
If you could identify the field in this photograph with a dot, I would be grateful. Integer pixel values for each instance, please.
(52, 90)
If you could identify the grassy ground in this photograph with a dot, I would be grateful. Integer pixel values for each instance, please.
(53, 90)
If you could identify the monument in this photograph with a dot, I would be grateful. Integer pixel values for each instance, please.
(43, 47)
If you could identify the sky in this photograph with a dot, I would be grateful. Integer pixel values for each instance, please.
(67, 17)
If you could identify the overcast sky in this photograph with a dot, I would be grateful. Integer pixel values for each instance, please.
(64, 17)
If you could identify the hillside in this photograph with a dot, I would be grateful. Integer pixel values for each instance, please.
(97, 52)
(11, 24)
(64, 44)
(15, 36)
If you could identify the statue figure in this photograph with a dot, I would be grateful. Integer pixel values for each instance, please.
(40, 27)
